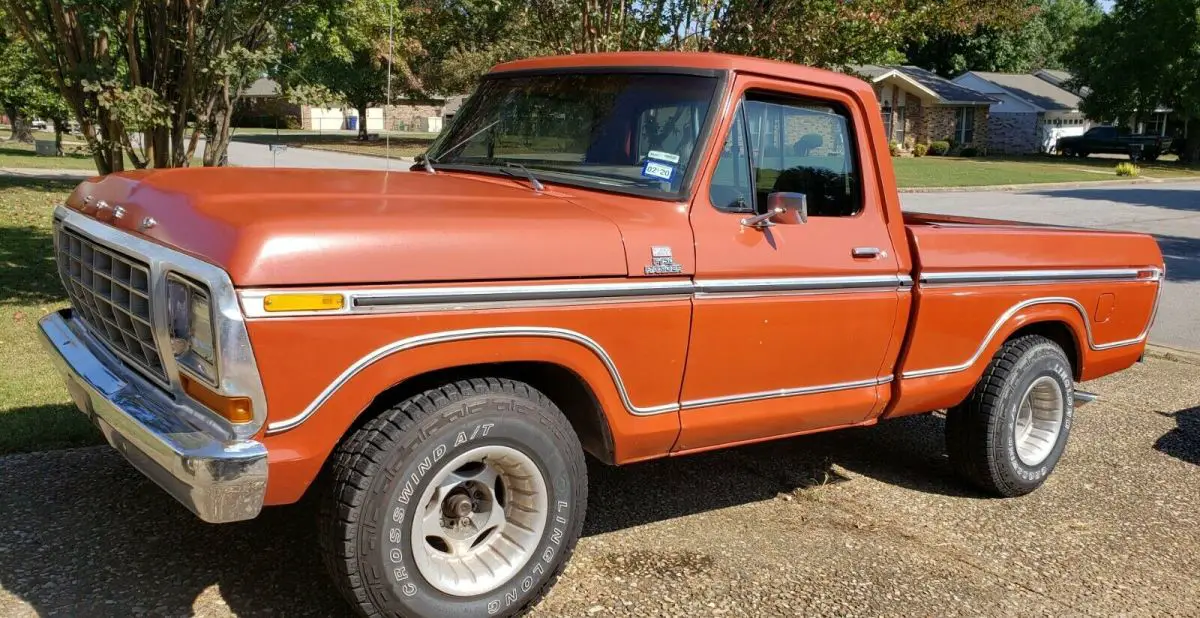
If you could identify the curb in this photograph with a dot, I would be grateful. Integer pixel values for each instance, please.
(46, 174)
(1173, 354)
(1049, 185)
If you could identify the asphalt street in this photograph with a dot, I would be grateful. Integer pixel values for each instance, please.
(863, 522)
(246, 154)
(1169, 211)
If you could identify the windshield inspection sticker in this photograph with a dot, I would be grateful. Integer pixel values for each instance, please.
(654, 169)
(663, 156)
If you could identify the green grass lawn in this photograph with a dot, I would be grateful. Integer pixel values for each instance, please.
(13, 154)
(962, 172)
(35, 412)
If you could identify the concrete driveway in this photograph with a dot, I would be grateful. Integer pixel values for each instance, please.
(865, 522)
(1169, 211)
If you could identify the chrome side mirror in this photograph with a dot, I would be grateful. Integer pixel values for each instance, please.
(782, 207)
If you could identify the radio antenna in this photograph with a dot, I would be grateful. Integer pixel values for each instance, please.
(387, 135)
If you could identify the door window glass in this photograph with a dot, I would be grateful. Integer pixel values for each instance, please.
(730, 186)
(802, 146)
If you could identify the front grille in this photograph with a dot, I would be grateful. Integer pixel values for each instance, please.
(111, 292)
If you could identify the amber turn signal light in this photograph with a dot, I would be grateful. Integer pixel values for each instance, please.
(235, 409)
(303, 302)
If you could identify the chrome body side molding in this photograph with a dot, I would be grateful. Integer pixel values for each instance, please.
(395, 300)
(982, 277)
(372, 301)
(1007, 315)
(784, 392)
(552, 333)
(463, 335)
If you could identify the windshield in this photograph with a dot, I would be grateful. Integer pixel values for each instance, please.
(627, 131)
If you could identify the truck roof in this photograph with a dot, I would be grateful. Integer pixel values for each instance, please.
(690, 60)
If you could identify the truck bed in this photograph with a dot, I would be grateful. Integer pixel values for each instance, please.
(978, 281)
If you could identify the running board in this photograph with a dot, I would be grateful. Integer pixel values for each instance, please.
(1083, 397)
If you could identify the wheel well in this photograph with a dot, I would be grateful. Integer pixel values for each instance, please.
(564, 387)
(1060, 333)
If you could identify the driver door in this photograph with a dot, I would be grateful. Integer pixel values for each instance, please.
(795, 324)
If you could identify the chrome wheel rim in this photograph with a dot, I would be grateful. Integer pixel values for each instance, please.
(1039, 421)
(480, 520)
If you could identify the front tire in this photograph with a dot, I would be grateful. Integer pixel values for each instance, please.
(465, 500)
(1009, 434)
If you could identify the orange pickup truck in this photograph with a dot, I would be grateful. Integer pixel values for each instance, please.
(630, 255)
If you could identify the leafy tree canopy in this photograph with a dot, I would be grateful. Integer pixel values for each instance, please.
(1143, 55)
(160, 69)
(1039, 41)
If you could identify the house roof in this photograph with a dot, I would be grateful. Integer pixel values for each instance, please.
(262, 87)
(929, 83)
(1034, 90)
(1054, 76)
(453, 104)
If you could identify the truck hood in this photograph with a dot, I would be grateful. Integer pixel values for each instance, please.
(276, 227)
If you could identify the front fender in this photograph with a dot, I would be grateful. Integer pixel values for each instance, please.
(305, 425)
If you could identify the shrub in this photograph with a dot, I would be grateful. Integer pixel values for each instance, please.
(919, 150)
(1128, 169)
(969, 151)
(939, 148)
(894, 149)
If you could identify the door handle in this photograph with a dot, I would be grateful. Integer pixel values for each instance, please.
(866, 252)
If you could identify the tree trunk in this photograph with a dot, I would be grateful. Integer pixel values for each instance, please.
(362, 122)
(216, 149)
(59, 125)
(11, 112)
(1190, 153)
(21, 132)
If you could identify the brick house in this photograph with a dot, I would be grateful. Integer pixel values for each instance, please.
(1032, 110)
(261, 104)
(920, 107)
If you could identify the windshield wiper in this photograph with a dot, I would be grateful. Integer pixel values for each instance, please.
(537, 184)
(469, 138)
(427, 164)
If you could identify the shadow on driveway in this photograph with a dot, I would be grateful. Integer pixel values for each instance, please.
(1183, 442)
(84, 535)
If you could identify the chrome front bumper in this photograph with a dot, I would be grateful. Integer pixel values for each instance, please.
(219, 478)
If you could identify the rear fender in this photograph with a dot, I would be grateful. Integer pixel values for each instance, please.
(923, 393)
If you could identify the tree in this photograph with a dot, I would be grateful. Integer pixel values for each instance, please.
(463, 37)
(1150, 59)
(1020, 46)
(338, 51)
(24, 89)
(158, 68)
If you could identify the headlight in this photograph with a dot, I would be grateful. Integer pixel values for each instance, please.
(189, 315)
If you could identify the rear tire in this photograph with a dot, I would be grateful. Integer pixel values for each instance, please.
(465, 500)
(1009, 434)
